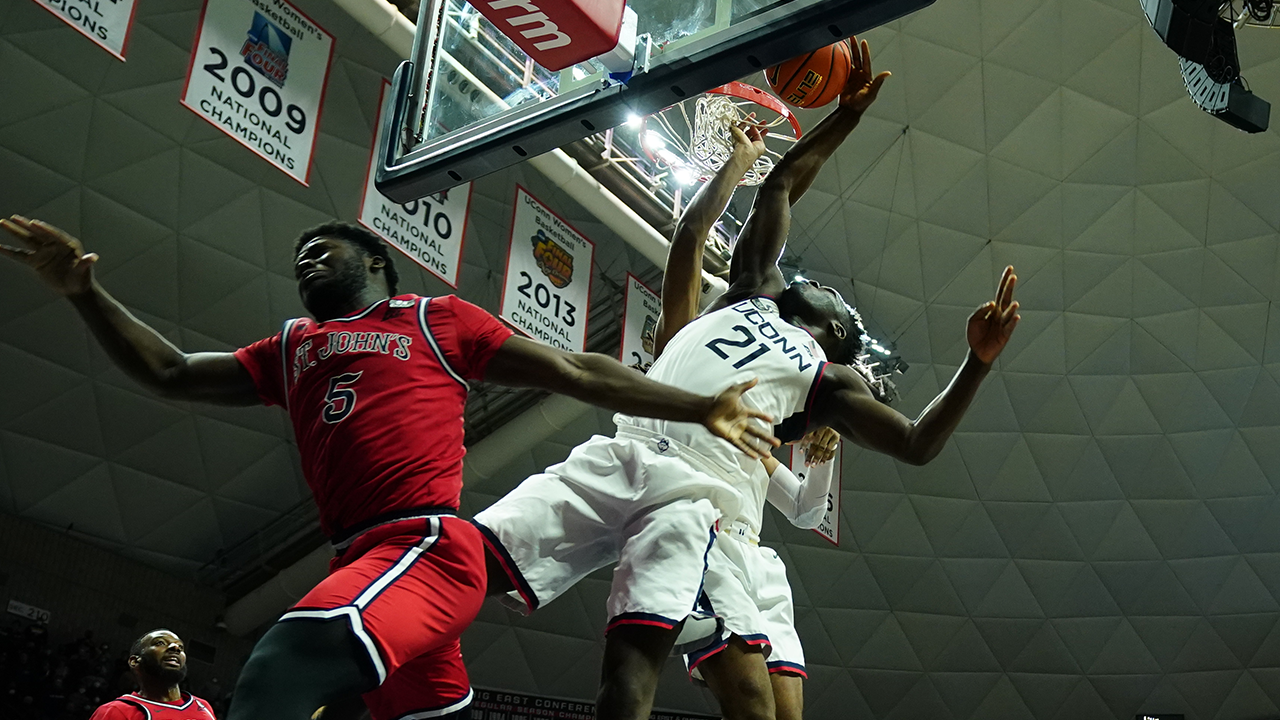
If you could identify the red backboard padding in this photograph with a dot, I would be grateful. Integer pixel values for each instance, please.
(557, 33)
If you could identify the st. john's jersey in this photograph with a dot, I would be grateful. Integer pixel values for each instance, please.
(135, 707)
(748, 339)
(376, 401)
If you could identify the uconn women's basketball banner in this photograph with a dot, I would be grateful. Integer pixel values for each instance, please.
(106, 22)
(548, 282)
(430, 230)
(639, 324)
(258, 72)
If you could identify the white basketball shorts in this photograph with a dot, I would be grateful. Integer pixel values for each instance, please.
(610, 501)
(746, 587)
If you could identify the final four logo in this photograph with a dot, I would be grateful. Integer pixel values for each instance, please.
(553, 260)
(267, 50)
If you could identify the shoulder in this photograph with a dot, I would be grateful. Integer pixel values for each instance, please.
(119, 709)
(203, 705)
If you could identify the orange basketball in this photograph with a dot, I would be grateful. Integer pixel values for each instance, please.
(812, 80)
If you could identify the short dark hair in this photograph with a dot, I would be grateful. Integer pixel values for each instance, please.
(368, 243)
(141, 643)
(851, 346)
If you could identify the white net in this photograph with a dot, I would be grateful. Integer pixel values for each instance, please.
(705, 143)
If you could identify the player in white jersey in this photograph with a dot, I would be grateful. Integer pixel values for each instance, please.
(643, 497)
(746, 583)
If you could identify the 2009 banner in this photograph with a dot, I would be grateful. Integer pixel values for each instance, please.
(106, 22)
(548, 281)
(430, 230)
(258, 72)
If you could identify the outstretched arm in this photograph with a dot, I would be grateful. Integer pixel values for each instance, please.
(603, 381)
(847, 404)
(136, 348)
(754, 267)
(682, 277)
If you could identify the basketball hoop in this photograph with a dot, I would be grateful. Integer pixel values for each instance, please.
(695, 142)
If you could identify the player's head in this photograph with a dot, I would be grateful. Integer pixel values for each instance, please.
(823, 311)
(334, 263)
(159, 657)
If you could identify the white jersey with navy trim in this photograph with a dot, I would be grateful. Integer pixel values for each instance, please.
(746, 340)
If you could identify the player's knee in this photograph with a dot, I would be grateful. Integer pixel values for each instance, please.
(752, 700)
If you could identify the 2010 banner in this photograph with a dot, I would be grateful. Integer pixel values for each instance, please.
(641, 308)
(548, 280)
(258, 72)
(431, 230)
(106, 22)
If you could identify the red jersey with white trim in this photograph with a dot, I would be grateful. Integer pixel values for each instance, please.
(376, 401)
(135, 707)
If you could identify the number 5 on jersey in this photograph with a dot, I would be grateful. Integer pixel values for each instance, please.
(341, 398)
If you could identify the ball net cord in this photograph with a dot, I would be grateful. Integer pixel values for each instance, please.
(710, 143)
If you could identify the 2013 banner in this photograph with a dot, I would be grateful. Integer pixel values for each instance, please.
(548, 281)
(258, 72)
(641, 308)
(430, 230)
(106, 22)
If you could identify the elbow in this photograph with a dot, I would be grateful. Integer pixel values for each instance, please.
(916, 455)
(810, 520)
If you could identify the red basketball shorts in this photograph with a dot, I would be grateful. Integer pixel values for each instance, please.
(408, 590)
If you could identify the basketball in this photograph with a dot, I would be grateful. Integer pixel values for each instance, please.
(812, 80)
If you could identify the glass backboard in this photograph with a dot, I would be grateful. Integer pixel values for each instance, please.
(469, 102)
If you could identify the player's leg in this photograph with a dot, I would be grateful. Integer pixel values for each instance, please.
(405, 590)
(556, 527)
(633, 658)
(297, 667)
(788, 695)
(739, 678)
(655, 588)
(433, 685)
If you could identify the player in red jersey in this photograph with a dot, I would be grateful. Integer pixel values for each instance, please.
(375, 386)
(159, 663)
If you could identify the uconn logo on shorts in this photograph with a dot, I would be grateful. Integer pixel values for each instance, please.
(663, 445)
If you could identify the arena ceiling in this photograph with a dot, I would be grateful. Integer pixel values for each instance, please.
(1100, 535)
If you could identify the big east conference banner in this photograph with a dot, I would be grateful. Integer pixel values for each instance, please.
(105, 22)
(429, 230)
(258, 72)
(548, 282)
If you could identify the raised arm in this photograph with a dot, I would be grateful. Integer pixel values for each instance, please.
(682, 277)
(846, 404)
(136, 348)
(754, 266)
(603, 381)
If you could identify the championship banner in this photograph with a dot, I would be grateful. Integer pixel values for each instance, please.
(548, 283)
(430, 231)
(503, 705)
(258, 72)
(639, 324)
(106, 22)
(830, 527)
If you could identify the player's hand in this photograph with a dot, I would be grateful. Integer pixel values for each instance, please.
(748, 140)
(991, 325)
(862, 86)
(732, 419)
(57, 257)
(820, 446)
